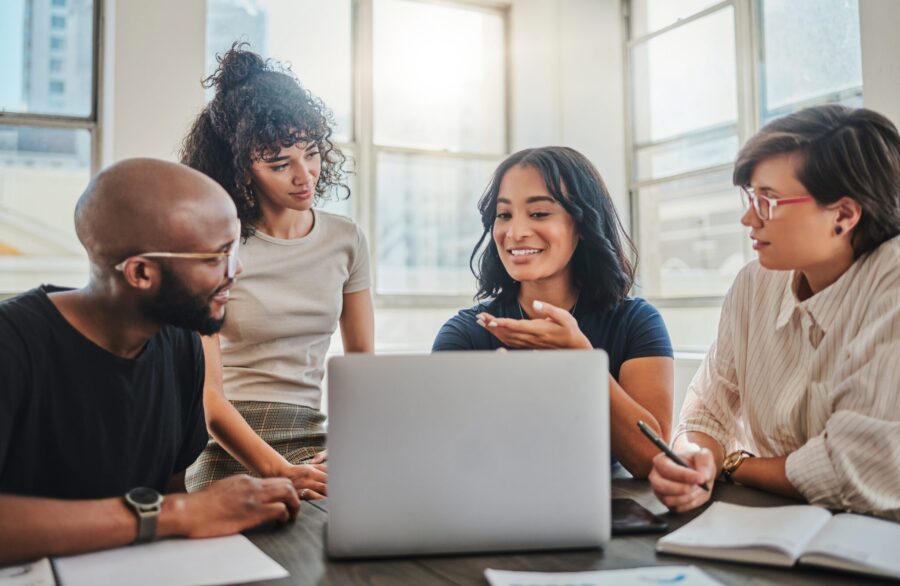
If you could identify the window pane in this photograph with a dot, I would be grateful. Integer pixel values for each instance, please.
(439, 77)
(428, 222)
(651, 15)
(313, 36)
(46, 60)
(811, 48)
(42, 174)
(685, 80)
(690, 153)
(692, 243)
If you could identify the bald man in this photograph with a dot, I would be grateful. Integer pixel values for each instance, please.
(101, 400)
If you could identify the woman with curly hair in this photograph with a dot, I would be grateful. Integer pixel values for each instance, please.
(267, 141)
(555, 273)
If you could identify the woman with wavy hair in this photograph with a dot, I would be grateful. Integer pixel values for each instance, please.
(554, 273)
(267, 141)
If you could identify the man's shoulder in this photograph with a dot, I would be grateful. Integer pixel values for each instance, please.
(25, 314)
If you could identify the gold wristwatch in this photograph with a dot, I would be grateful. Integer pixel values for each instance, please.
(732, 462)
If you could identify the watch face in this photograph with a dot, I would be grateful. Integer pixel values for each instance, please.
(143, 495)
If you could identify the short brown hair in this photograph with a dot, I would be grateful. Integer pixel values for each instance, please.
(843, 152)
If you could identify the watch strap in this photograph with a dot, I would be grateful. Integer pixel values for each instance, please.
(147, 521)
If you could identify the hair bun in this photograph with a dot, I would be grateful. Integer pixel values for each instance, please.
(236, 66)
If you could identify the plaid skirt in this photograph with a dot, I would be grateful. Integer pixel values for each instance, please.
(295, 431)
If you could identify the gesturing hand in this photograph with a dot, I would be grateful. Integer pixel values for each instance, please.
(557, 329)
(236, 503)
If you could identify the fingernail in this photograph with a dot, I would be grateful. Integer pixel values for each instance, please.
(537, 305)
(493, 324)
(480, 322)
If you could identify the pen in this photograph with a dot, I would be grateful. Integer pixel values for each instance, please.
(662, 446)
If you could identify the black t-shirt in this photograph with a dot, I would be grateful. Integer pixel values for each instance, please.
(631, 329)
(79, 422)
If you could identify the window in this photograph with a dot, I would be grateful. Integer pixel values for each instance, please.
(439, 131)
(57, 43)
(48, 135)
(58, 22)
(60, 3)
(425, 127)
(693, 104)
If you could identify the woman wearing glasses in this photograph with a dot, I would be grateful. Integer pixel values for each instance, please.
(267, 141)
(555, 273)
(799, 393)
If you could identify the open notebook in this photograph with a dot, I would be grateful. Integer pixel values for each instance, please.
(783, 536)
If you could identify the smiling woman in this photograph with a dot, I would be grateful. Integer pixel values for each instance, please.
(554, 273)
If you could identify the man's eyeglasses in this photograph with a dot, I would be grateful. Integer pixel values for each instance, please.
(231, 255)
(765, 206)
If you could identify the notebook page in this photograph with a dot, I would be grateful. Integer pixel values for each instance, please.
(857, 543)
(725, 526)
(174, 562)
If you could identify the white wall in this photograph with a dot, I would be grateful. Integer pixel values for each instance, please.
(153, 64)
(879, 24)
(568, 83)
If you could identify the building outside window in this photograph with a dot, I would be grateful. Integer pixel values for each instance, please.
(48, 130)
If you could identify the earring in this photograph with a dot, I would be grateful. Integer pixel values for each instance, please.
(838, 229)
(249, 196)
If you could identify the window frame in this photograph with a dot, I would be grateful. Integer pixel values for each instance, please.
(748, 29)
(69, 122)
(366, 151)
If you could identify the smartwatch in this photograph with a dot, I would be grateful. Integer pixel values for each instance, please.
(146, 504)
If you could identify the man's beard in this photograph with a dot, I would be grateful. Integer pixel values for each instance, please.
(177, 306)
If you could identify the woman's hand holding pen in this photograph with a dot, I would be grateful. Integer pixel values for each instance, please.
(679, 488)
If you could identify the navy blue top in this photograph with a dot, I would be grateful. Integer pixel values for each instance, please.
(630, 329)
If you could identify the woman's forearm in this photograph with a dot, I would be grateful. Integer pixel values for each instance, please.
(767, 474)
(234, 434)
(628, 443)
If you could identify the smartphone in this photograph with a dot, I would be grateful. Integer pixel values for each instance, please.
(629, 517)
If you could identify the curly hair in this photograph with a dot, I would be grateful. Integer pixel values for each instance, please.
(601, 267)
(259, 108)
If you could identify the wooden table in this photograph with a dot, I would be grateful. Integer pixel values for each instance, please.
(300, 549)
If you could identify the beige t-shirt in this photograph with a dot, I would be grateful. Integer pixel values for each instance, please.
(284, 308)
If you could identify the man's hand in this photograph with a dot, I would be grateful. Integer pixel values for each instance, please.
(557, 329)
(234, 504)
(678, 487)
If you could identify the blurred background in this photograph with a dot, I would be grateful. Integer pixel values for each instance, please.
(429, 96)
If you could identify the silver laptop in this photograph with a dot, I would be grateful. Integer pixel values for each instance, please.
(467, 452)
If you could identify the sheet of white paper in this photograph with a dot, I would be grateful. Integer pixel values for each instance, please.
(35, 574)
(788, 528)
(667, 575)
(174, 562)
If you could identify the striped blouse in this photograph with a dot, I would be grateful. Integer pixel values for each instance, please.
(817, 380)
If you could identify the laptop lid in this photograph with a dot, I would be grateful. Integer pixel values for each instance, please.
(468, 452)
